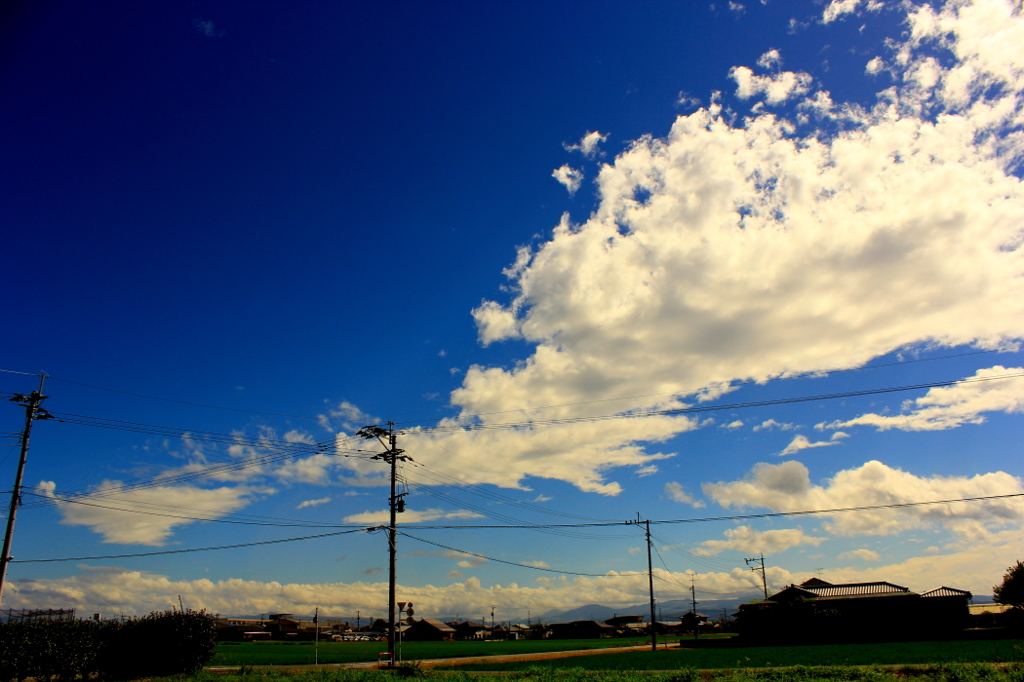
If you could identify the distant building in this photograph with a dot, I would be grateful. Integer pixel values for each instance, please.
(468, 629)
(581, 629)
(428, 630)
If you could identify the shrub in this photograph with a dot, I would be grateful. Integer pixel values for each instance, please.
(159, 644)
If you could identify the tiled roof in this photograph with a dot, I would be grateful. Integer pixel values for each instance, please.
(946, 592)
(856, 589)
(438, 624)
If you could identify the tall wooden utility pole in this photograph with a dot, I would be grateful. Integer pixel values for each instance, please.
(391, 456)
(33, 411)
(650, 579)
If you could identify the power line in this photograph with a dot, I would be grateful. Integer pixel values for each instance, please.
(513, 563)
(183, 551)
(215, 519)
(802, 375)
(734, 517)
(355, 528)
(706, 408)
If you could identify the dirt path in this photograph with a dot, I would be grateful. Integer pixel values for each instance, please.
(464, 660)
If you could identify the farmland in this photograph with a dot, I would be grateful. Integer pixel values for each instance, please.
(704, 658)
(883, 653)
(301, 653)
(959, 672)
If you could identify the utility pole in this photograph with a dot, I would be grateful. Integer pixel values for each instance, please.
(492, 618)
(764, 580)
(33, 411)
(693, 607)
(650, 579)
(396, 502)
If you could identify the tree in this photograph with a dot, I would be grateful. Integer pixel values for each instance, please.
(1011, 590)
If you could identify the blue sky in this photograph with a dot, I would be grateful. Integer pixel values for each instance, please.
(283, 225)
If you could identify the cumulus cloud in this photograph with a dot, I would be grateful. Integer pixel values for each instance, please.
(745, 539)
(776, 87)
(732, 425)
(862, 554)
(948, 407)
(569, 177)
(147, 516)
(788, 487)
(741, 248)
(588, 145)
(677, 493)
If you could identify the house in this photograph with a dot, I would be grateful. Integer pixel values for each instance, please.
(620, 622)
(818, 611)
(468, 629)
(428, 630)
(691, 620)
(581, 629)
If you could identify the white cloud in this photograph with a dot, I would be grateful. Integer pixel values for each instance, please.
(948, 407)
(587, 146)
(776, 87)
(772, 424)
(803, 443)
(737, 8)
(348, 415)
(111, 590)
(748, 540)
(838, 8)
(314, 503)
(647, 470)
(576, 453)
(313, 469)
(296, 436)
(787, 487)
(770, 59)
(410, 516)
(119, 514)
(677, 493)
(494, 323)
(732, 425)
(748, 248)
(569, 177)
(862, 554)
(733, 251)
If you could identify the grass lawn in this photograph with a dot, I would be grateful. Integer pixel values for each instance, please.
(297, 653)
(897, 653)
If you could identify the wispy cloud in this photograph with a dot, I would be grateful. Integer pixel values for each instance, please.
(314, 503)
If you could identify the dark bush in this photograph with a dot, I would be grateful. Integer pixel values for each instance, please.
(159, 644)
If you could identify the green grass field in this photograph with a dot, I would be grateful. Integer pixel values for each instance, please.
(299, 653)
(956, 672)
(889, 653)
